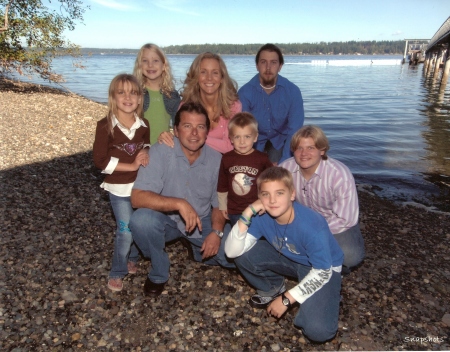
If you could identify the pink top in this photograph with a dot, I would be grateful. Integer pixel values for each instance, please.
(218, 137)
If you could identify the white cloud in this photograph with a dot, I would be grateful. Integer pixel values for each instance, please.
(113, 4)
(174, 6)
(397, 33)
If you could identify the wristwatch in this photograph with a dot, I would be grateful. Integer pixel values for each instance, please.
(285, 300)
(218, 233)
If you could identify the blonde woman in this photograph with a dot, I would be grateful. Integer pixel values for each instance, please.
(209, 84)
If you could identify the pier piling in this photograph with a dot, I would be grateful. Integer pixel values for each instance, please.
(437, 64)
(445, 69)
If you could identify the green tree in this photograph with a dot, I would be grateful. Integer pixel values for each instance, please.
(32, 35)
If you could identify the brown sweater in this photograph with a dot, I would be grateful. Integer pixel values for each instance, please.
(120, 147)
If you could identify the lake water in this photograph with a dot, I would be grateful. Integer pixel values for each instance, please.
(386, 121)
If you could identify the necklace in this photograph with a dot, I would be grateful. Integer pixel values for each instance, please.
(280, 241)
(268, 88)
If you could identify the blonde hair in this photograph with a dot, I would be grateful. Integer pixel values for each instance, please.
(227, 90)
(167, 84)
(242, 119)
(276, 173)
(121, 79)
(316, 134)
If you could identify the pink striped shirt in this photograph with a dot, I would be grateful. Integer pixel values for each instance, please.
(331, 191)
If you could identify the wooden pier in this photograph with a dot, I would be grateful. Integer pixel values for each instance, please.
(437, 54)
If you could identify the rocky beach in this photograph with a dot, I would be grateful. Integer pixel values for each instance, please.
(57, 242)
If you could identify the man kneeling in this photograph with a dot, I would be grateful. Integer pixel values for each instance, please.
(298, 244)
(177, 198)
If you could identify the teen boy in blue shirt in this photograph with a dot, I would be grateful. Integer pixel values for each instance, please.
(298, 244)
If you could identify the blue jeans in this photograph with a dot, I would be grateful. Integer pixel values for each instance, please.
(273, 154)
(265, 269)
(352, 244)
(124, 248)
(153, 229)
(234, 218)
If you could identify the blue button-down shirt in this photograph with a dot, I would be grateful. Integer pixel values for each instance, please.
(170, 174)
(279, 114)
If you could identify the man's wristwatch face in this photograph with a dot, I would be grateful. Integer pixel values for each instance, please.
(218, 233)
(285, 300)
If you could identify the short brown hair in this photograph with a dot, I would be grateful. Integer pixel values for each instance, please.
(276, 173)
(243, 119)
(316, 134)
(195, 108)
(272, 48)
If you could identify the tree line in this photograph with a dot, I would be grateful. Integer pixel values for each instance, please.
(328, 48)
(324, 48)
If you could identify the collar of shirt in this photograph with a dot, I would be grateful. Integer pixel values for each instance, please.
(129, 132)
(179, 152)
(319, 171)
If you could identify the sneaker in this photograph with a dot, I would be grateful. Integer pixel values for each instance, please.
(132, 268)
(258, 301)
(345, 271)
(115, 285)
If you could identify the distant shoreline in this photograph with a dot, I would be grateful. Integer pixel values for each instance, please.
(320, 48)
(85, 51)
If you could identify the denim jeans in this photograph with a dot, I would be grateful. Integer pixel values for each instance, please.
(234, 218)
(153, 229)
(265, 269)
(273, 154)
(352, 244)
(124, 248)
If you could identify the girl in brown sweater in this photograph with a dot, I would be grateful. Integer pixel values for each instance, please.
(118, 151)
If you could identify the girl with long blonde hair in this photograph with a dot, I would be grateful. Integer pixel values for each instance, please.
(161, 100)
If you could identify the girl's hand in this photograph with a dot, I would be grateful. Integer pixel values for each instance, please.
(136, 163)
(143, 157)
(225, 214)
(166, 138)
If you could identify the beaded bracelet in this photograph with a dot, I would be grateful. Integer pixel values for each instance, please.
(253, 209)
(245, 221)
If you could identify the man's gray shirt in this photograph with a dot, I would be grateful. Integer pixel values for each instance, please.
(170, 175)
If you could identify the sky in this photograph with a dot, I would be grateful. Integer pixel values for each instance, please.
(132, 23)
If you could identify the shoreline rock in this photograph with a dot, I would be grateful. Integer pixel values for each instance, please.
(57, 241)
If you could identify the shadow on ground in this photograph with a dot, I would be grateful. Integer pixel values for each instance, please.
(55, 256)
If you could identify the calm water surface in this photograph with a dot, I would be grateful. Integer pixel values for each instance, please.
(388, 122)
